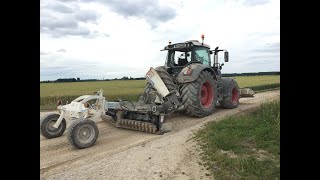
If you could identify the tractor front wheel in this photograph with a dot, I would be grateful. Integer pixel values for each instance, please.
(83, 133)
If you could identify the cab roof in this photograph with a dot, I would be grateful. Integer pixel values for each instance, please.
(186, 44)
(197, 43)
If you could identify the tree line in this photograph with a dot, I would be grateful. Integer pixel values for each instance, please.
(142, 78)
(251, 74)
(87, 80)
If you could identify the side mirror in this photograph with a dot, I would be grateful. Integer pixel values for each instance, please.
(221, 66)
(226, 56)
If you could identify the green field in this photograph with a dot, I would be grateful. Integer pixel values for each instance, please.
(126, 89)
(245, 146)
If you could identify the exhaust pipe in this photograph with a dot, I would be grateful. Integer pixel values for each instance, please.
(215, 59)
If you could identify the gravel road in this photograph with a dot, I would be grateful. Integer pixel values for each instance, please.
(126, 154)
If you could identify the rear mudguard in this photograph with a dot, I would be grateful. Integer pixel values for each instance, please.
(192, 72)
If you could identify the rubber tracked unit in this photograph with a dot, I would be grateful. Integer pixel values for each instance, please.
(85, 110)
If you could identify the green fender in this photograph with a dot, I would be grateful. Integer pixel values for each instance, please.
(194, 72)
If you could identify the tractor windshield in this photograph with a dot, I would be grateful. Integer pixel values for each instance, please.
(202, 55)
(178, 57)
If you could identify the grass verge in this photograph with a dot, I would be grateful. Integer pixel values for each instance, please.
(244, 147)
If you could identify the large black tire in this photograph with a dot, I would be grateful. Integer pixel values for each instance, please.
(83, 133)
(46, 126)
(167, 80)
(197, 97)
(231, 94)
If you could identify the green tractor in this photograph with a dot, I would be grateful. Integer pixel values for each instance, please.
(190, 72)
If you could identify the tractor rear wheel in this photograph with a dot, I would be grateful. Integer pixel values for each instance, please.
(46, 126)
(199, 97)
(231, 94)
(83, 133)
(145, 97)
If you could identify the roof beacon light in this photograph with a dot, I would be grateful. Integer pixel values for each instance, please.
(202, 37)
(169, 42)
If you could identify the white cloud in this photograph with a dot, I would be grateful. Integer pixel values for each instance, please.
(119, 45)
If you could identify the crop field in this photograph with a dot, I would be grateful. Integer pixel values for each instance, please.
(127, 89)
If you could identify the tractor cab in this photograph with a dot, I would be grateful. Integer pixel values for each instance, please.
(188, 52)
(182, 54)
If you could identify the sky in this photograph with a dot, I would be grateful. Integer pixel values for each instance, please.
(106, 39)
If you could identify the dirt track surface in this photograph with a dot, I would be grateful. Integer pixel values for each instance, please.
(126, 154)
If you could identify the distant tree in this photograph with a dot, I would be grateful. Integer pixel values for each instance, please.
(78, 79)
(66, 80)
